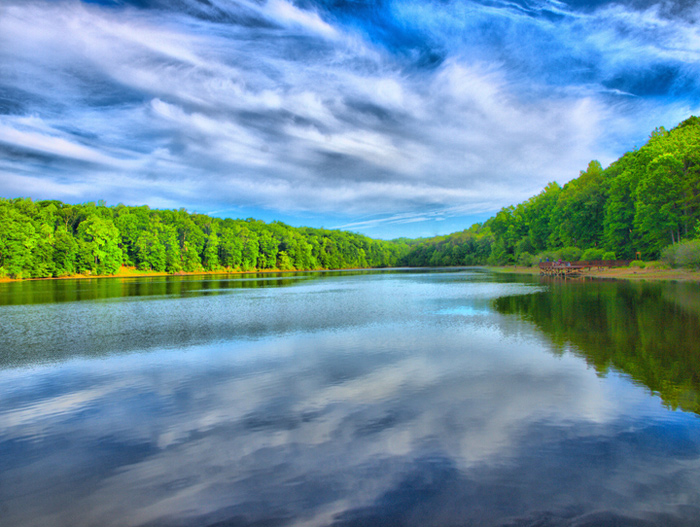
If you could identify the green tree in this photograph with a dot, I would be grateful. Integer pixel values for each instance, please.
(150, 252)
(65, 253)
(18, 238)
(210, 256)
(268, 247)
(659, 205)
(577, 217)
(99, 250)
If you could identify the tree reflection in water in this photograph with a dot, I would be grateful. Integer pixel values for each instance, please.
(651, 332)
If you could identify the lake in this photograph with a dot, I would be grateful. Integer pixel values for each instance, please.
(375, 398)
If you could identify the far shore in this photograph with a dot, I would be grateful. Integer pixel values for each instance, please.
(131, 272)
(620, 273)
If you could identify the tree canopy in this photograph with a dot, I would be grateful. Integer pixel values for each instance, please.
(53, 239)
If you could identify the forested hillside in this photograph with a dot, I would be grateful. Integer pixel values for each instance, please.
(53, 239)
(643, 202)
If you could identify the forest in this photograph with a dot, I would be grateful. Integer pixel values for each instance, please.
(645, 205)
(41, 239)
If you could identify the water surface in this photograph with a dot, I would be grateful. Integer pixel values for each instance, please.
(346, 399)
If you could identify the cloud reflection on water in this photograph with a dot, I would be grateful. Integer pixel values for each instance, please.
(437, 419)
(281, 435)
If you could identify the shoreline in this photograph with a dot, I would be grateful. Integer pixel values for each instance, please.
(131, 272)
(617, 273)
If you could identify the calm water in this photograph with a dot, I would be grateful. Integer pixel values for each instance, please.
(452, 398)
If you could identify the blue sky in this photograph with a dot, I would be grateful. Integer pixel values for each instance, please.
(389, 118)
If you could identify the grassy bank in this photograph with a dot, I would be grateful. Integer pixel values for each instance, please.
(622, 273)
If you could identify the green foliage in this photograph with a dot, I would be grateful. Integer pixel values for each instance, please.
(637, 264)
(469, 247)
(688, 254)
(50, 238)
(210, 254)
(285, 262)
(150, 253)
(65, 252)
(657, 265)
(548, 256)
(618, 222)
(499, 254)
(659, 212)
(577, 217)
(524, 246)
(593, 254)
(538, 212)
(525, 259)
(609, 255)
(668, 255)
(684, 254)
(98, 246)
(570, 254)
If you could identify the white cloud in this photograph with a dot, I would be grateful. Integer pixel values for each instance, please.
(48, 144)
(287, 12)
(305, 114)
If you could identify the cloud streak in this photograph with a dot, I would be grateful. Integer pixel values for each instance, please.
(333, 113)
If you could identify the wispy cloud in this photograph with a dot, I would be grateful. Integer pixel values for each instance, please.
(384, 109)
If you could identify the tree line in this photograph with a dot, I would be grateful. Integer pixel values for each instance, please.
(644, 204)
(54, 239)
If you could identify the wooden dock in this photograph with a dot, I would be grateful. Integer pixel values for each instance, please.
(564, 269)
